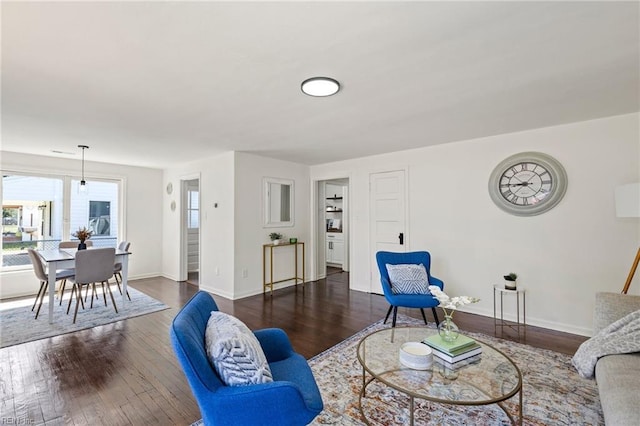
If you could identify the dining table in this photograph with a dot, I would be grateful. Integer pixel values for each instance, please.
(57, 259)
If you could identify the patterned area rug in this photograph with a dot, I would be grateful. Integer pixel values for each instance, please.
(554, 393)
(18, 324)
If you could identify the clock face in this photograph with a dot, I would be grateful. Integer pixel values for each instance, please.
(528, 183)
(525, 183)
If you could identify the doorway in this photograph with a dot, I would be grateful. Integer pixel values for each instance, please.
(332, 227)
(190, 253)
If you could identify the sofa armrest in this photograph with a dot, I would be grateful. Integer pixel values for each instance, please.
(610, 307)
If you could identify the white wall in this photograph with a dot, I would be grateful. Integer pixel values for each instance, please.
(250, 233)
(142, 209)
(216, 223)
(563, 257)
(232, 235)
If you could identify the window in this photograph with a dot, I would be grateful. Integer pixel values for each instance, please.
(100, 217)
(193, 204)
(36, 214)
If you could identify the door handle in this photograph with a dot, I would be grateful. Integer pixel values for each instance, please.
(401, 238)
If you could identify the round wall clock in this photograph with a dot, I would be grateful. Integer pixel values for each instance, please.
(528, 184)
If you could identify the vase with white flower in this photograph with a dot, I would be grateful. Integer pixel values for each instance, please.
(447, 329)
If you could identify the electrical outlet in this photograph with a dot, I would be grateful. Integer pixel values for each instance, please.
(217, 271)
(245, 273)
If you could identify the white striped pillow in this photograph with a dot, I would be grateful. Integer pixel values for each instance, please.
(408, 279)
(235, 351)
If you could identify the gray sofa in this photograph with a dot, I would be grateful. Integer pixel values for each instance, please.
(618, 376)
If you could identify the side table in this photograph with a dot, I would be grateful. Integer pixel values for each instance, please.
(500, 322)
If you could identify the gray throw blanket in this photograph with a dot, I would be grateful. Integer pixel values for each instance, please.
(620, 337)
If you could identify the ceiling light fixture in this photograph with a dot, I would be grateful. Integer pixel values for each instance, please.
(83, 184)
(320, 86)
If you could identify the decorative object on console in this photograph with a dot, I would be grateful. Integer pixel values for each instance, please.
(510, 281)
(628, 205)
(275, 238)
(528, 184)
(82, 234)
(447, 329)
(293, 240)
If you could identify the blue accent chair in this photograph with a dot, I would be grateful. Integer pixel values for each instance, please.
(420, 301)
(293, 398)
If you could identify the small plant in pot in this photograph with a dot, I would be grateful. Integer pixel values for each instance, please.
(510, 281)
(275, 238)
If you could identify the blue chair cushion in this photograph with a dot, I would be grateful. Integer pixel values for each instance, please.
(408, 279)
(235, 351)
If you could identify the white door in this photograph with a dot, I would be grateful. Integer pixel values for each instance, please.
(387, 201)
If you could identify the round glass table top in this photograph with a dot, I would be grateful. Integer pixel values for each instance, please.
(489, 378)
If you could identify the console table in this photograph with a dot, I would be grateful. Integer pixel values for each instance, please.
(270, 248)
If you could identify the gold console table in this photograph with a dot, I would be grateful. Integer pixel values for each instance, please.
(295, 277)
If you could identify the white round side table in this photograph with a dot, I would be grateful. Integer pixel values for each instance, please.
(520, 293)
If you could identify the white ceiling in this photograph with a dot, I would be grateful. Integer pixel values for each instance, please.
(161, 83)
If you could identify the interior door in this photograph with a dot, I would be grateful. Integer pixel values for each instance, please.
(388, 212)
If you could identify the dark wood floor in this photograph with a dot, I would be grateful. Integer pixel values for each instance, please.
(126, 374)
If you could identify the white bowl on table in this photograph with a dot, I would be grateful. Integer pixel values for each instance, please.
(416, 355)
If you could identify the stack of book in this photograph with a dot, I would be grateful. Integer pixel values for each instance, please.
(462, 351)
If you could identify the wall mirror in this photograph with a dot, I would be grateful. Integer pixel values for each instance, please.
(278, 202)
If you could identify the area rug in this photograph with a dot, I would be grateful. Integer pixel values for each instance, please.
(18, 324)
(554, 393)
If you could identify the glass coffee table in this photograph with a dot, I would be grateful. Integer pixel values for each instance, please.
(491, 380)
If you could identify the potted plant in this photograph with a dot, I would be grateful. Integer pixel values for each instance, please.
(82, 234)
(510, 281)
(275, 238)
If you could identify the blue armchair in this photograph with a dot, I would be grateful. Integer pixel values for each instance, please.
(407, 300)
(293, 398)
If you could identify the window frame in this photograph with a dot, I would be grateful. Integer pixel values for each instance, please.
(66, 202)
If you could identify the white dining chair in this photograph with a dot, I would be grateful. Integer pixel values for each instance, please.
(93, 266)
(117, 269)
(38, 269)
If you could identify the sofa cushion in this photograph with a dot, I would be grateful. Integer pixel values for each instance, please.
(618, 377)
(234, 351)
(408, 279)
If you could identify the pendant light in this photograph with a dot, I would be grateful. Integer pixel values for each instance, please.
(83, 183)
